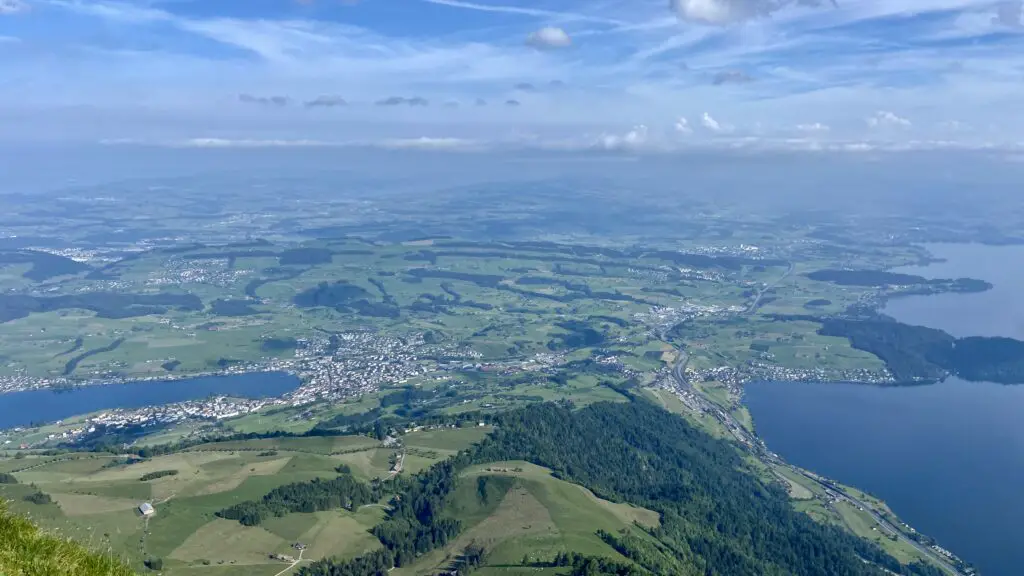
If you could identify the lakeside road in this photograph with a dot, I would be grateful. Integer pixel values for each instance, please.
(879, 519)
(757, 448)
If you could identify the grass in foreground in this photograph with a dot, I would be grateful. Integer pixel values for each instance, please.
(27, 551)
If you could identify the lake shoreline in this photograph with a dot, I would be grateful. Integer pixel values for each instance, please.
(19, 409)
(946, 455)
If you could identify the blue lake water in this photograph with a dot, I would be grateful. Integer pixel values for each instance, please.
(21, 408)
(948, 458)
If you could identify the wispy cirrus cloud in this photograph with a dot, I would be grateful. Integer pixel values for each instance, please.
(619, 63)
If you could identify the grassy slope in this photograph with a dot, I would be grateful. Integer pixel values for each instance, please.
(530, 514)
(27, 551)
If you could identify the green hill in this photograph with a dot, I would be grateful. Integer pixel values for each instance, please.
(622, 488)
(613, 468)
(27, 551)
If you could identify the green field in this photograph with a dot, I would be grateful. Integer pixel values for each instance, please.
(96, 502)
(534, 515)
(499, 302)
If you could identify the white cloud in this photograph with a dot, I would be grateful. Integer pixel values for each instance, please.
(726, 11)
(683, 126)
(427, 143)
(13, 6)
(714, 125)
(549, 37)
(631, 140)
(813, 127)
(886, 119)
(245, 143)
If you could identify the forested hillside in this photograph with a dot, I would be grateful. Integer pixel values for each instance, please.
(920, 354)
(717, 519)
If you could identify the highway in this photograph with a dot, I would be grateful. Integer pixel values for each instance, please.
(760, 292)
(757, 448)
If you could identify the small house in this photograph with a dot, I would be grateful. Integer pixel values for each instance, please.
(146, 509)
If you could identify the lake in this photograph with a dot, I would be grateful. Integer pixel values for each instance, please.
(948, 458)
(21, 408)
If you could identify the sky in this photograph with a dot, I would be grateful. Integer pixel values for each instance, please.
(636, 75)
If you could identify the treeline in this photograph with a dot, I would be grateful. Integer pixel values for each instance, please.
(114, 441)
(494, 281)
(44, 264)
(910, 353)
(655, 556)
(716, 518)
(233, 308)
(158, 474)
(39, 497)
(581, 565)
(415, 525)
(104, 304)
(345, 297)
(471, 558)
(313, 496)
(878, 278)
(915, 354)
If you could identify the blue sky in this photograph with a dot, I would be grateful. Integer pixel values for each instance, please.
(635, 74)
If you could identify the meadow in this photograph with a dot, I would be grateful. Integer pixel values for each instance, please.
(95, 499)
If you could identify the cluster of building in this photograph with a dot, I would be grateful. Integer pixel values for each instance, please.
(211, 409)
(91, 256)
(701, 274)
(346, 364)
(215, 408)
(748, 250)
(662, 318)
(178, 271)
(760, 371)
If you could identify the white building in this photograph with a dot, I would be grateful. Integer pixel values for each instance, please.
(147, 509)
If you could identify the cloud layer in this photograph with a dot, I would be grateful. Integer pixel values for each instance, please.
(696, 71)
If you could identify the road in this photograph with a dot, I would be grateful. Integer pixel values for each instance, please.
(879, 519)
(682, 385)
(760, 292)
(294, 564)
(757, 448)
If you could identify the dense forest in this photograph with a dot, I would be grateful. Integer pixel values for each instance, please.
(158, 474)
(717, 519)
(915, 354)
(880, 278)
(313, 496)
(104, 304)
